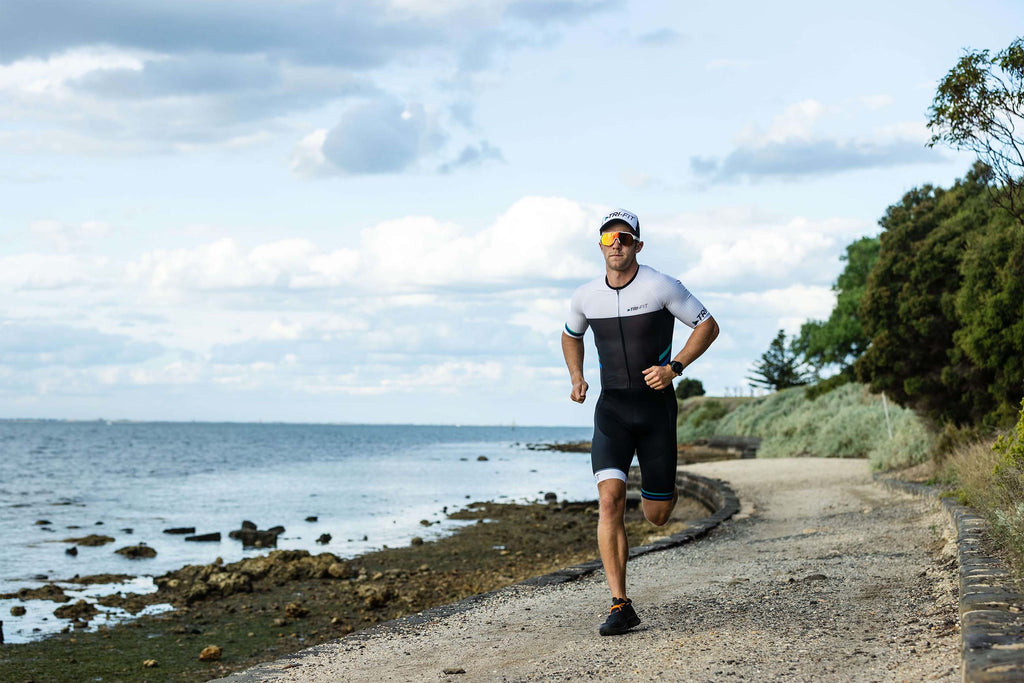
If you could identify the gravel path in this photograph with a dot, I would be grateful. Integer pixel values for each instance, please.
(824, 575)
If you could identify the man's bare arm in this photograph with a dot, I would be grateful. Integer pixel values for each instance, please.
(661, 376)
(572, 350)
(698, 342)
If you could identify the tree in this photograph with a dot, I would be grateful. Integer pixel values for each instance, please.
(841, 339)
(780, 366)
(909, 308)
(990, 307)
(979, 107)
(688, 387)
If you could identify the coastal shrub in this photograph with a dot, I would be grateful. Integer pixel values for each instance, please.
(699, 415)
(848, 422)
(990, 475)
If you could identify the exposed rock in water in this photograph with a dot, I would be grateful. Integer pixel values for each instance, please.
(204, 538)
(94, 579)
(47, 592)
(324, 539)
(251, 537)
(211, 653)
(199, 582)
(481, 458)
(133, 603)
(137, 552)
(90, 540)
(340, 570)
(80, 610)
(312, 518)
(181, 530)
(18, 611)
(42, 522)
(374, 595)
(72, 551)
(295, 611)
(551, 497)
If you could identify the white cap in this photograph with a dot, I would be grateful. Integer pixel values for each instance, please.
(622, 216)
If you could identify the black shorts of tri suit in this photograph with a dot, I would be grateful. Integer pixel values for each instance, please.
(641, 421)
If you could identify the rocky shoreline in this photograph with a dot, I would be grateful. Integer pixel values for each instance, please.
(237, 614)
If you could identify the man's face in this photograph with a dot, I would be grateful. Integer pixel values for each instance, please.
(617, 256)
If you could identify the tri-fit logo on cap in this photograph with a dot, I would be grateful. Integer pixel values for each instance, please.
(624, 216)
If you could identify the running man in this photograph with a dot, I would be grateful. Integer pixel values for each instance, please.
(632, 311)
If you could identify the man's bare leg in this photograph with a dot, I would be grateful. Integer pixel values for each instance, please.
(611, 534)
(658, 512)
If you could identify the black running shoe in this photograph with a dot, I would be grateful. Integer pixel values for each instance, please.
(621, 618)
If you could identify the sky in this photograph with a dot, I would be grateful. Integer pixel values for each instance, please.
(377, 210)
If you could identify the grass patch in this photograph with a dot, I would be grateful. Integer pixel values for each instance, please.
(699, 415)
(990, 477)
(848, 422)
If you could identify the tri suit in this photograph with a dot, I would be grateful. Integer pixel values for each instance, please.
(633, 331)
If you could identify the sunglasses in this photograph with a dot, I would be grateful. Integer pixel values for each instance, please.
(625, 239)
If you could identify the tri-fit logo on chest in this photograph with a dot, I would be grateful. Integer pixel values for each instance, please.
(632, 324)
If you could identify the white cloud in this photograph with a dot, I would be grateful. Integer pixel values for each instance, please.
(308, 158)
(456, 308)
(53, 271)
(792, 146)
(795, 123)
(33, 77)
(68, 238)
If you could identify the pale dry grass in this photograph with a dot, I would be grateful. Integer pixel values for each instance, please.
(995, 489)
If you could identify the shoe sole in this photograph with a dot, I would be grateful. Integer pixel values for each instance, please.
(635, 621)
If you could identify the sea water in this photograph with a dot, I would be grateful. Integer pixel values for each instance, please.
(368, 486)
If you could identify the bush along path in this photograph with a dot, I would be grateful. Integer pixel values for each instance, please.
(823, 575)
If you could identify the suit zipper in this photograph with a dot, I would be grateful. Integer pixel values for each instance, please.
(622, 338)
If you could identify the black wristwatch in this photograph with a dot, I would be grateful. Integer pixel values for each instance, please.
(677, 367)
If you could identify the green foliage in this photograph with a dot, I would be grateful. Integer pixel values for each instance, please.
(780, 366)
(688, 387)
(1001, 494)
(1010, 447)
(848, 422)
(911, 303)
(841, 339)
(830, 384)
(978, 107)
(990, 309)
(699, 422)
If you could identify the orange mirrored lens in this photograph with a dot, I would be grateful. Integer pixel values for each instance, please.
(625, 238)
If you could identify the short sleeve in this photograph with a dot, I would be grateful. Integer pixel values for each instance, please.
(681, 303)
(576, 324)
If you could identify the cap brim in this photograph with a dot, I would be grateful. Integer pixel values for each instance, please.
(613, 221)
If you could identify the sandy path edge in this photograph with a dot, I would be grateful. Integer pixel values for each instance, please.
(827, 576)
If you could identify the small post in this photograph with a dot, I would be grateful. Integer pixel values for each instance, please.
(885, 407)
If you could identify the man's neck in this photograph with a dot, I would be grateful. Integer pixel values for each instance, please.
(620, 278)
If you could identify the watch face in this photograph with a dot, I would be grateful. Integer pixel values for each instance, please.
(676, 366)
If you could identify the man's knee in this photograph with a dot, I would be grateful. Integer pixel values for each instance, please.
(611, 499)
(659, 512)
(658, 517)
